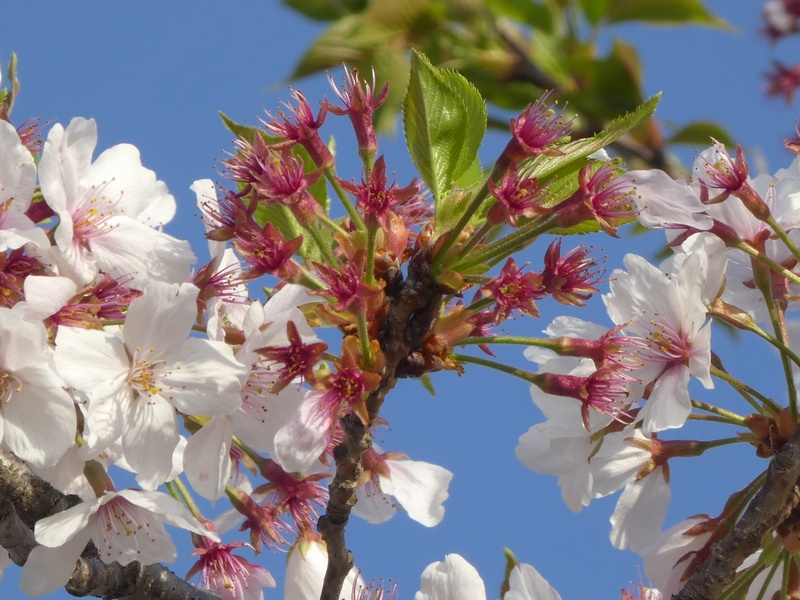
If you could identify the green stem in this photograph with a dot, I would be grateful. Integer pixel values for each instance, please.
(508, 245)
(462, 223)
(726, 415)
(761, 257)
(369, 269)
(330, 175)
(747, 392)
(363, 339)
(777, 317)
(316, 235)
(332, 225)
(477, 237)
(186, 496)
(770, 220)
(533, 378)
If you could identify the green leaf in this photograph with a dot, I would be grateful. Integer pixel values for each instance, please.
(698, 133)
(427, 383)
(444, 118)
(246, 132)
(663, 12)
(529, 12)
(595, 10)
(545, 165)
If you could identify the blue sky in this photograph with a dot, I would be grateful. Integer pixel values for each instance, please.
(155, 74)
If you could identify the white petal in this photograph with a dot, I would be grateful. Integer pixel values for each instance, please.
(87, 358)
(131, 249)
(669, 404)
(373, 506)
(22, 343)
(420, 487)
(48, 569)
(149, 438)
(66, 158)
(663, 202)
(45, 296)
(56, 530)
(207, 459)
(162, 317)
(105, 417)
(262, 414)
(17, 170)
(452, 579)
(119, 169)
(526, 583)
(205, 379)
(640, 512)
(305, 571)
(124, 532)
(40, 418)
(168, 509)
(300, 442)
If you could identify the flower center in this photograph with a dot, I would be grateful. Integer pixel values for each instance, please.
(146, 372)
(10, 384)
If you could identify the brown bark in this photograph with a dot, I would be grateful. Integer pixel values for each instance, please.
(413, 305)
(769, 508)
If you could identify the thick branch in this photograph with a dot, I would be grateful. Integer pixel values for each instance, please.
(769, 508)
(413, 305)
(25, 498)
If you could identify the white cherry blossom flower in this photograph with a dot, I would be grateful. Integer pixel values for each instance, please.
(125, 526)
(109, 210)
(136, 378)
(667, 308)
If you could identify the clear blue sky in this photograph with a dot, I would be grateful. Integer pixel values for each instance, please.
(155, 74)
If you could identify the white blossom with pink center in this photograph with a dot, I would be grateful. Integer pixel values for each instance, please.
(125, 526)
(667, 307)
(136, 378)
(110, 211)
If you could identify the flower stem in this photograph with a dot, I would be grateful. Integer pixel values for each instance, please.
(506, 246)
(747, 392)
(533, 378)
(186, 496)
(723, 415)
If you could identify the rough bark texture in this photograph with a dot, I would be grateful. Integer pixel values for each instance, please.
(413, 306)
(25, 498)
(769, 508)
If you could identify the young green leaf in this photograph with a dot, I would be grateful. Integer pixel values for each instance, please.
(545, 165)
(444, 118)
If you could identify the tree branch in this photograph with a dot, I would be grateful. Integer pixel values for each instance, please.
(25, 498)
(768, 509)
(413, 305)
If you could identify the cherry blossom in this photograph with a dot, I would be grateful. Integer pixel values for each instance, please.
(109, 210)
(668, 310)
(124, 526)
(136, 378)
(227, 575)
